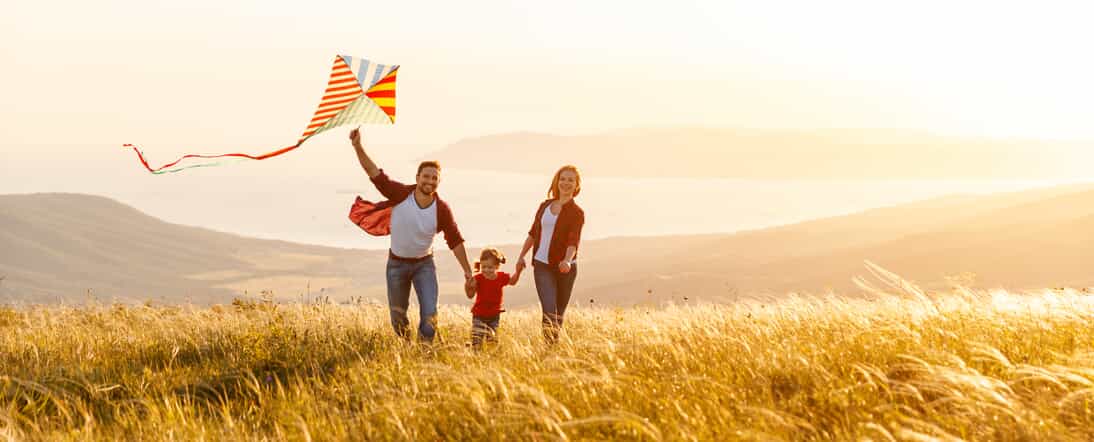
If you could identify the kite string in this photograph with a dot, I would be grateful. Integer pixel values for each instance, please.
(162, 168)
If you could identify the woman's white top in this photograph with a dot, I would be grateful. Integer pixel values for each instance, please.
(547, 230)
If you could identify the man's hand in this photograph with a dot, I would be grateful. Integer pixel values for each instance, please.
(564, 266)
(355, 137)
(521, 265)
(469, 287)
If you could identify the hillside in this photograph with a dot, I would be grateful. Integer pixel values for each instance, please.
(63, 247)
(757, 153)
(1017, 240)
(67, 247)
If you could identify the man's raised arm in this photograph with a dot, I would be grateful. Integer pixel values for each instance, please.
(362, 157)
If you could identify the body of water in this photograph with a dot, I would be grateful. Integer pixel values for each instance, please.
(497, 208)
(278, 200)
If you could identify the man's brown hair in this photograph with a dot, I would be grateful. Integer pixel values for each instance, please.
(430, 163)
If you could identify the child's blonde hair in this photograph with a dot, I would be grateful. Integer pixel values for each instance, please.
(490, 253)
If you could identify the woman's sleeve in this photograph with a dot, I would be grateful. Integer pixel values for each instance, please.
(575, 232)
(534, 230)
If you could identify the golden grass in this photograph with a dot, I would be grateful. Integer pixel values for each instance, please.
(994, 366)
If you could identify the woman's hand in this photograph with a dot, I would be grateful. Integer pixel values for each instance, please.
(521, 265)
(564, 266)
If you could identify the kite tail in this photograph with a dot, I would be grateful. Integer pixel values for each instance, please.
(175, 167)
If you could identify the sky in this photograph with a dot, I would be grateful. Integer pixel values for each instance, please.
(81, 78)
(203, 76)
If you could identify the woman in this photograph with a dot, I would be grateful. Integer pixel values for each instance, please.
(554, 239)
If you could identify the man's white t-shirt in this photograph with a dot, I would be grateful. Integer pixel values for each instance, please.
(413, 228)
(547, 230)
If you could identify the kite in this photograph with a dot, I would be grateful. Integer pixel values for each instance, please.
(359, 92)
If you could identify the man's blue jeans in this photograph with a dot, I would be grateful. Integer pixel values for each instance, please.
(423, 275)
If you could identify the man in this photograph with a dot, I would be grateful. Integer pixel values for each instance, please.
(412, 215)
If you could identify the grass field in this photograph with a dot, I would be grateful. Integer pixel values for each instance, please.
(970, 365)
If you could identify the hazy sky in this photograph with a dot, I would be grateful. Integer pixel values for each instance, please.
(211, 76)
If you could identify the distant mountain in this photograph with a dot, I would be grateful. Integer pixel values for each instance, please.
(751, 153)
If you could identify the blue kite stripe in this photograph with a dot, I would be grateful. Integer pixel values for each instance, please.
(377, 75)
(361, 73)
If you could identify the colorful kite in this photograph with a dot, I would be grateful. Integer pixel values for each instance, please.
(359, 92)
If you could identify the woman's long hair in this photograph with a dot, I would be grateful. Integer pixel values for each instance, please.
(553, 192)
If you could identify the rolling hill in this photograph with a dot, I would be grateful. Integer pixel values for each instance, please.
(67, 247)
(1024, 240)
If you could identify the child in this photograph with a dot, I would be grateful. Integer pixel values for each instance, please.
(487, 284)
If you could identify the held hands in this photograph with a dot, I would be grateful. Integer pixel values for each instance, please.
(516, 275)
(469, 287)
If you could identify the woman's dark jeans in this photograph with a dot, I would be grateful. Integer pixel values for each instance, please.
(554, 288)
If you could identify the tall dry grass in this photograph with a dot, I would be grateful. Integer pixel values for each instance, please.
(970, 365)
